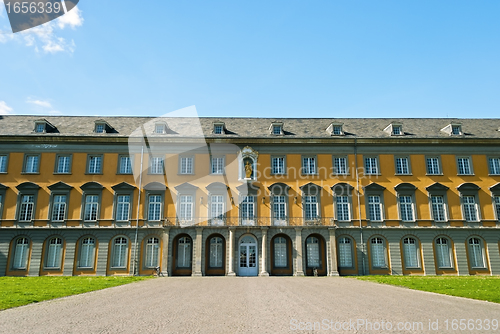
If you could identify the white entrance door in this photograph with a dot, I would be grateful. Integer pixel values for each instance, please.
(248, 256)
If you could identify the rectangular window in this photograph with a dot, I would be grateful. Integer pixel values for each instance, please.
(343, 208)
(218, 165)
(63, 164)
(154, 211)
(156, 165)
(378, 253)
(410, 251)
(95, 164)
(308, 165)
(493, 163)
(122, 207)
(371, 166)
(455, 130)
(59, 208)
(497, 206)
(406, 208)
(3, 163)
(463, 165)
(26, 210)
(186, 165)
(402, 166)
(99, 128)
(186, 208)
(218, 129)
(337, 130)
(125, 165)
(54, 253)
(438, 211)
(276, 129)
(374, 208)
(217, 207)
(470, 210)
(396, 130)
(32, 164)
(247, 208)
(40, 127)
(433, 166)
(91, 207)
(311, 207)
(345, 253)
(278, 165)
(279, 207)
(159, 128)
(340, 165)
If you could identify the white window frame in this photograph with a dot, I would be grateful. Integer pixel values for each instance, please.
(280, 255)
(340, 165)
(431, 163)
(462, 168)
(345, 249)
(160, 128)
(21, 249)
(120, 248)
(371, 165)
(156, 165)
(186, 165)
(4, 163)
(343, 208)
(411, 256)
(27, 208)
(248, 208)
(477, 261)
(59, 207)
(379, 261)
(186, 207)
(494, 165)
(100, 128)
(217, 165)
(95, 163)
(125, 168)
(55, 249)
(309, 165)
(375, 204)
(152, 252)
(216, 252)
(435, 205)
(496, 199)
(91, 208)
(311, 206)
(123, 205)
(31, 164)
(86, 256)
(402, 165)
(277, 130)
(218, 129)
(406, 205)
(444, 258)
(157, 207)
(63, 167)
(470, 208)
(276, 168)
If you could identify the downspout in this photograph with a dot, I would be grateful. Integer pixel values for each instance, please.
(137, 218)
(359, 205)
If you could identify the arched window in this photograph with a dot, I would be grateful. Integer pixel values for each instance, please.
(152, 252)
(476, 256)
(21, 251)
(312, 245)
(345, 252)
(410, 253)
(216, 248)
(87, 253)
(280, 252)
(120, 251)
(184, 252)
(54, 253)
(378, 253)
(443, 253)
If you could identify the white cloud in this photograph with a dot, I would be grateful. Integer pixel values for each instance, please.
(73, 19)
(41, 103)
(4, 108)
(44, 37)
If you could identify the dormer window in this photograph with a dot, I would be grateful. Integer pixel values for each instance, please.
(394, 129)
(276, 129)
(219, 128)
(100, 128)
(335, 129)
(160, 128)
(453, 129)
(42, 126)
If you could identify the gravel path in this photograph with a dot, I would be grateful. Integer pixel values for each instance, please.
(249, 305)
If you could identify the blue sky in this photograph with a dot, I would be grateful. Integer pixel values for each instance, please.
(275, 58)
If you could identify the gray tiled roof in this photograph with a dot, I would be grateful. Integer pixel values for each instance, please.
(11, 125)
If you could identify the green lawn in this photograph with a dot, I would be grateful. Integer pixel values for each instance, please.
(475, 287)
(17, 291)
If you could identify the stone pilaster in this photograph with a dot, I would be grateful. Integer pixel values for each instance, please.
(197, 256)
(231, 253)
(333, 267)
(298, 268)
(164, 257)
(264, 253)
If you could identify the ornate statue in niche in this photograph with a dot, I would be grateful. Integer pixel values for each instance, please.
(248, 170)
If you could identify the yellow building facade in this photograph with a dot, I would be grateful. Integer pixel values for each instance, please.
(247, 197)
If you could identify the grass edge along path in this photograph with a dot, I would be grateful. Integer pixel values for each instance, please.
(18, 291)
(473, 287)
